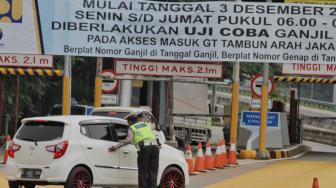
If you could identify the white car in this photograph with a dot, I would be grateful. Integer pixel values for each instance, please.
(73, 151)
(122, 112)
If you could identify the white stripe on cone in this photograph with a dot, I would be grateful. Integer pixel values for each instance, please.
(188, 155)
(208, 151)
(233, 147)
(199, 152)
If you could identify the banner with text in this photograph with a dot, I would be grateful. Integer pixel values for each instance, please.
(199, 31)
(309, 69)
(151, 68)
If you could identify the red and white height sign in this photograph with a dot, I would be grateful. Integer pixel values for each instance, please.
(21, 60)
(156, 68)
(309, 69)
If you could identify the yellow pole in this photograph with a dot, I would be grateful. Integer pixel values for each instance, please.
(235, 103)
(66, 95)
(262, 154)
(97, 98)
(67, 86)
(98, 83)
(263, 119)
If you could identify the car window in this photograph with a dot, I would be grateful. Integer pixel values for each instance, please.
(41, 131)
(122, 131)
(115, 114)
(99, 132)
(78, 110)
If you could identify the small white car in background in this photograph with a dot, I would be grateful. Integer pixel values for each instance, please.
(73, 151)
(122, 112)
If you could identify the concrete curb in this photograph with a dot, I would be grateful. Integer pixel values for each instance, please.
(276, 154)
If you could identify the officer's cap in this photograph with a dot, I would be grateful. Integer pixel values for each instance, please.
(132, 117)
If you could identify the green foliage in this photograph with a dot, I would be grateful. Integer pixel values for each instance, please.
(38, 94)
(249, 70)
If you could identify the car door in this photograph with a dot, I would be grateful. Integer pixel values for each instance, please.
(128, 172)
(95, 139)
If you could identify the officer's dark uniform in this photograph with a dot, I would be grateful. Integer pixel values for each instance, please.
(148, 153)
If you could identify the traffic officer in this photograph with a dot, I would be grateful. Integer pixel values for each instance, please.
(148, 150)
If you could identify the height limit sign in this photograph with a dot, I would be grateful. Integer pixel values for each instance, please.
(110, 84)
(256, 84)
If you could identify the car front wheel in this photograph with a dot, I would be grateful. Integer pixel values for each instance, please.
(172, 177)
(79, 177)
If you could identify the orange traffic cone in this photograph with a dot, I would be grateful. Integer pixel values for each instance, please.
(8, 140)
(224, 154)
(218, 156)
(208, 163)
(232, 156)
(189, 160)
(199, 164)
(315, 183)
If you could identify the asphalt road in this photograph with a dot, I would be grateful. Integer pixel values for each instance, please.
(294, 173)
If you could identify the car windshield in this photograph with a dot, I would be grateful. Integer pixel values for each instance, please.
(37, 131)
(115, 114)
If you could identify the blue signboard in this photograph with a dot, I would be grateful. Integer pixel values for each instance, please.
(253, 119)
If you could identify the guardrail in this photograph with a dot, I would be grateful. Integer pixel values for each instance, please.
(319, 135)
(303, 101)
(318, 104)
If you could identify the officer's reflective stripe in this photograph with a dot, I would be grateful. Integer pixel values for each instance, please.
(138, 126)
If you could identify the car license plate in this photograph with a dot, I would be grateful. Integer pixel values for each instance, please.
(31, 173)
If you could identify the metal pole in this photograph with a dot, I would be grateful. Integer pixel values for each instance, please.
(162, 106)
(7, 118)
(213, 104)
(235, 103)
(299, 93)
(334, 101)
(170, 99)
(126, 93)
(98, 83)
(67, 86)
(312, 91)
(17, 101)
(150, 94)
(1, 106)
(299, 123)
(262, 153)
